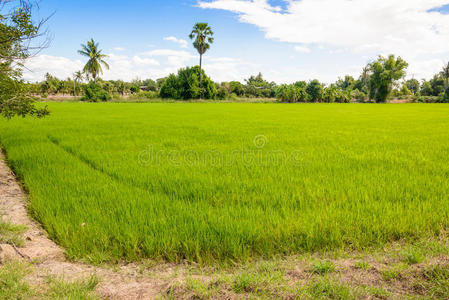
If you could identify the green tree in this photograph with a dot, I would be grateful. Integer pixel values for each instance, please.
(236, 88)
(426, 88)
(413, 86)
(202, 36)
(445, 75)
(185, 85)
(18, 33)
(96, 59)
(77, 77)
(347, 83)
(315, 90)
(291, 93)
(384, 73)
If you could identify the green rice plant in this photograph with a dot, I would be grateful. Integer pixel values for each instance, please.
(227, 182)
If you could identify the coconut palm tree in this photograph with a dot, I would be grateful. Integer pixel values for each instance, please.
(77, 77)
(96, 59)
(202, 36)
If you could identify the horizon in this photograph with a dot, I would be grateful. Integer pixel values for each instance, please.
(250, 37)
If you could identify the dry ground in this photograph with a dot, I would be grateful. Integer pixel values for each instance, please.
(34, 267)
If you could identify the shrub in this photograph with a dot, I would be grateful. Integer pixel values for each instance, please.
(186, 85)
(358, 95)
(94, 93)
(291, 93)
(446, 96)
(315, 90)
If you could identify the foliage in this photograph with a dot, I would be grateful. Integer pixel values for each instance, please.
(185, 85)
(347, 83)
(426, 88)
(257, 86)
(17, 32)
(236, 88)
(358, 95)
(202, 36)
(384, 73)
(94, 93)
(334, 93)
(291, 93)
(315, 90)
(413, 85)
(93, 66)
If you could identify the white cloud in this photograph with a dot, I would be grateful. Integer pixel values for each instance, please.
(153, 64)
(302, 49)
(361, 27)
(119, 49)
(174, 58)
(182, 43)
(38, 66)
(145, 61)
(383, 25)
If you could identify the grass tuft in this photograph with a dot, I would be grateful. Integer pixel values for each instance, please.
(11, 234)
(323, 267)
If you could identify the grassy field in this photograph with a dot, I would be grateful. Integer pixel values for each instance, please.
(226, 182)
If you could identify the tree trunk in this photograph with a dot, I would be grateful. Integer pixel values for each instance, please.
(201, 73)
(201, 77)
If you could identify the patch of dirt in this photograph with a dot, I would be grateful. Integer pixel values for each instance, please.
(126, 282)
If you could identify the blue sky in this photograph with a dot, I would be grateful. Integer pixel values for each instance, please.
(285, 40)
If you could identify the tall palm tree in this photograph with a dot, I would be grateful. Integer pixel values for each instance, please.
(77, 77)
(96, 59)
(202, 36)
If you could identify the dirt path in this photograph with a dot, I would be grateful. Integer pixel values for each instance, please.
(125, 282)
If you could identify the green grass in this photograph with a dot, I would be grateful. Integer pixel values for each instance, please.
(11, 234)
(322, 267)
(228, 182)
(59, 289)
(14, 284)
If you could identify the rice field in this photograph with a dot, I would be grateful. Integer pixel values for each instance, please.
(211, 182)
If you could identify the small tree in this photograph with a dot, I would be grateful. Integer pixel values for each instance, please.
(315, 90)
(18, 36)
(185, 85)
(413, 86)
(77, 77)
(384, 73)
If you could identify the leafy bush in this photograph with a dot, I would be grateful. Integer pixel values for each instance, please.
(186, 85)
(445, 98)
(358, 95)
(145, 95)
(291, 93)
(94, 93)
(315, 90)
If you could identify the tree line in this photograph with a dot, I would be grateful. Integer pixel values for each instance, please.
(379, 81)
